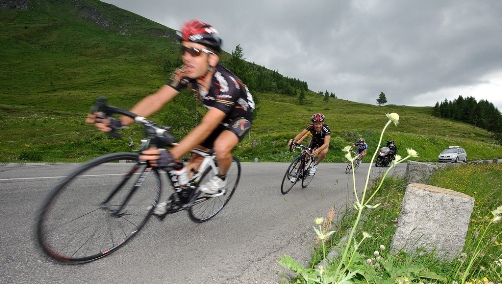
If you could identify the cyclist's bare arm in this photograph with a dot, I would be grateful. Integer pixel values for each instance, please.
(299, 138)
(151, 104)
(145, 107)
(208, 124)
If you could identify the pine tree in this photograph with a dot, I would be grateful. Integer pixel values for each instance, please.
(381, 99)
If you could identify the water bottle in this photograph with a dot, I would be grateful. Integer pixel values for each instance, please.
(181, 172)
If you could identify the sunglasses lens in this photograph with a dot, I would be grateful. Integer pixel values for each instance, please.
(192, 51)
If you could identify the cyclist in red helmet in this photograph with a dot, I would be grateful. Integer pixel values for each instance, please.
(321, 135)
(229, 103)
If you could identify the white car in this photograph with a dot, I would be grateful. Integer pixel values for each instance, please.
(453, 154)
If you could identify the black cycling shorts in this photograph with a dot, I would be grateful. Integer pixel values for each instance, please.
(315, 145)
(239, 126)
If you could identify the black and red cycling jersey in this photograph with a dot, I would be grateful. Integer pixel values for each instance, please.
(318, 137)
(226, 93)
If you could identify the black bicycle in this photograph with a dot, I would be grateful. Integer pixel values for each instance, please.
(357, 163)
(299, 169)
(105, 202)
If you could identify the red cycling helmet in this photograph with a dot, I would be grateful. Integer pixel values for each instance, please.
(319, 117)
(199, 32)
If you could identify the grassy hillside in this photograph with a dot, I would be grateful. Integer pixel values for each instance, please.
(58, 56)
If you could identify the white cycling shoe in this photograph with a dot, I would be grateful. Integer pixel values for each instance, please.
(160, 209)
(215, 186)
(312, 170)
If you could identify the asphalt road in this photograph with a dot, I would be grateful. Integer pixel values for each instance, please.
(240, 245)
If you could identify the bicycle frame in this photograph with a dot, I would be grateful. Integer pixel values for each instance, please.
(208, 161)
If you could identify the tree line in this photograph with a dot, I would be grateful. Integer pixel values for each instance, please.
(256, 77)
(261, 79)
(482, 114)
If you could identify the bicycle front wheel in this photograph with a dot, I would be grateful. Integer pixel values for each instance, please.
(292, 175)
(98, 208)
(307, 175)
(357, 163)
(348, 168)
(204, 206)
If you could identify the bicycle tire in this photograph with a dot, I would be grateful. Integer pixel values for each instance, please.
(348, 168)
(75, 225)
(307, 177)
(292, 171)
(357, 164)
(205, 207)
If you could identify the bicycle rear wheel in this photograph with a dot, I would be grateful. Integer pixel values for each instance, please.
(294, 172)
(307, 176)
(204, 206)
(98, 208)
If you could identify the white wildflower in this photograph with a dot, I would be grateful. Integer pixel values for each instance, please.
(412, 153)
(397, 160)
(394, 117)
(497, 214)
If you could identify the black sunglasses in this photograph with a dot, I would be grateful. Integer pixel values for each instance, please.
(194, 52)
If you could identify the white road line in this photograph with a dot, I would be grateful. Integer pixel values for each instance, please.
(56, 177)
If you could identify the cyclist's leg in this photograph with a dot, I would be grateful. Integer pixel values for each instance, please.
(195, 160)
(225, 140)
(223, 147)
(322, 155)
(363, 153)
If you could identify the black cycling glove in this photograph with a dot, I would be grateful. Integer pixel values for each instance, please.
(115, 124)
(165, 159)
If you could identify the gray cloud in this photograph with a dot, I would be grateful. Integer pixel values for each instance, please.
(416, 52)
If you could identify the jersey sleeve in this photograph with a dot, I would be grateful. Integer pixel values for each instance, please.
(327, 130)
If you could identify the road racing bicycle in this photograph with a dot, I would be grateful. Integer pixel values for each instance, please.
(104, 203)
(357, 163)
(299, 169)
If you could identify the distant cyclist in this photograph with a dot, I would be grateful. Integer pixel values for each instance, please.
(321, 135)
(361, 147)
(393, 148)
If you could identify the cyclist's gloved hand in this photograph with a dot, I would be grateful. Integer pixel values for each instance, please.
(292, 145)
(157, 157)
(115, 124)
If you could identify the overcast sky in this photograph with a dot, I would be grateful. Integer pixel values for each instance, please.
(416, 52)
